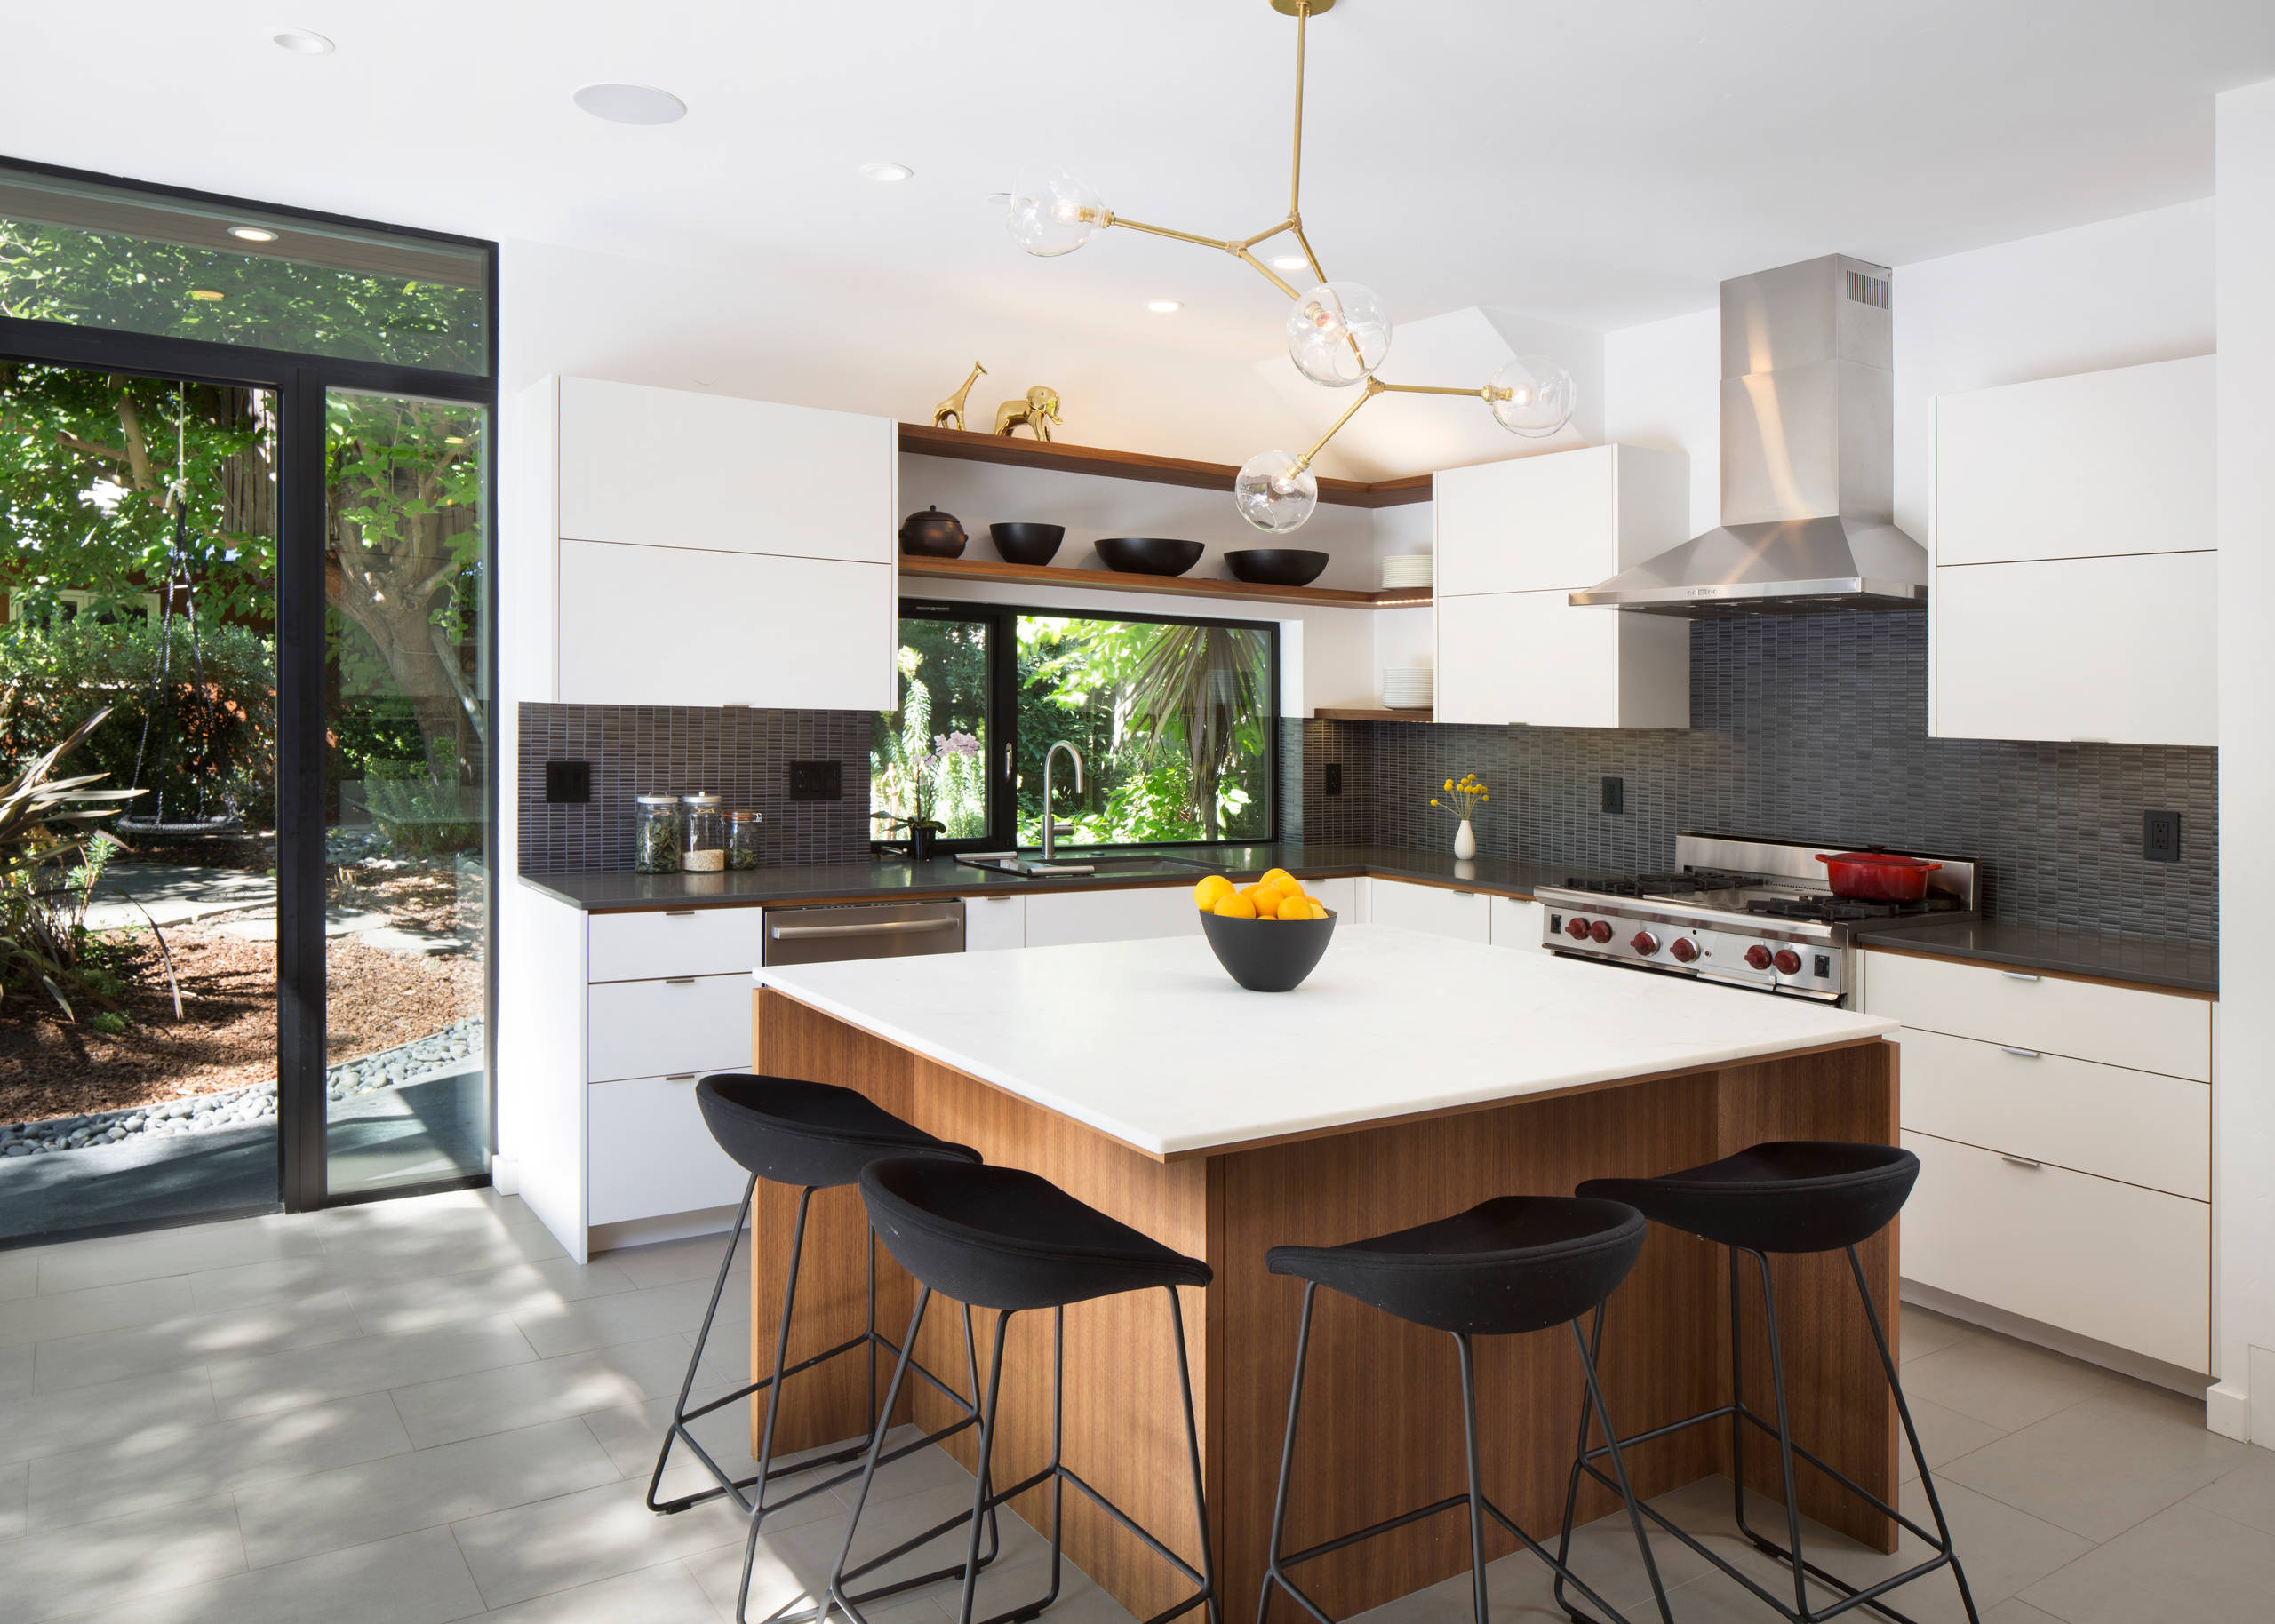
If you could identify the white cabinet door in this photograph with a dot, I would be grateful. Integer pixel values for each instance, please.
(674, 468)
(1340, 897)
(1065, 917)
(2119, 1026)
(1464, 915)
(1516, 923)
(690, 1024)
(991, 922)
(1532, 657)
(2083, 466)
(673, 626)
(683, 942)
(2120, 650)
(651, 1155)
(1564, 520)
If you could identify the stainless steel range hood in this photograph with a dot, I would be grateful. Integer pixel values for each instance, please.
(1808, 459)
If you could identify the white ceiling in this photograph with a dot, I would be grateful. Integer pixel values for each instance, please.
(1599, 165)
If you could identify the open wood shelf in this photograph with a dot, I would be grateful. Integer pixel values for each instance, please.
(965, 446)
(1343, 714)
(1179, 585)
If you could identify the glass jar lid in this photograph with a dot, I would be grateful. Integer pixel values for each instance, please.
(656, 798)
(701, 798)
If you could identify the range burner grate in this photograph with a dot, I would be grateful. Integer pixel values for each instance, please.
(1846, 910)
(1689, 883)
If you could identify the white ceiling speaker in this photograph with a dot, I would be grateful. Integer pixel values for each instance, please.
(631, 104)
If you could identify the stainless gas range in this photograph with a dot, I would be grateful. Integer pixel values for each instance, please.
(1756, 914)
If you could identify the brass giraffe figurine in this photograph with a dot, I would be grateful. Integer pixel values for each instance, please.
(953, 407)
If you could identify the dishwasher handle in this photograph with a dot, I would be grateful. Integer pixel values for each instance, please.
(890, 928)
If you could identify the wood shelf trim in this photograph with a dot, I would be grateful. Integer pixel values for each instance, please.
(1178, 585)
(965, 446)
(1346, 714)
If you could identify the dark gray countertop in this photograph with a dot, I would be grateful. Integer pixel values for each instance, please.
(2193, 966)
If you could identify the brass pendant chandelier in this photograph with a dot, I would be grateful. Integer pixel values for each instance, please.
(1339, 332)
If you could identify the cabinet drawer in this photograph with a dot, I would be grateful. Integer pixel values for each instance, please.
(2125, 1266)
(1516, 923)
(2141, 1126)
(2119, 1026)
(692, 942)
(646, 1028)
(651, 1154)
(1465, 915)
(1111, 916)
(994, 921)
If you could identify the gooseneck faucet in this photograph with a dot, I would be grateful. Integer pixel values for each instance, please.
(1050, 817)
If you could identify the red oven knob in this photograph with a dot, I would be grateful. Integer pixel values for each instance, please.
(1684, 949)
(1577, 930)
(1758, 956)
(1644, 943)
(1601, 930)
(1788, 961)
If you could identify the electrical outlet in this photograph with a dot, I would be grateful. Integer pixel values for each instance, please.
(2160, 836)
(817, 781)
(1335, 777)
(1614, 795)
(567, 782)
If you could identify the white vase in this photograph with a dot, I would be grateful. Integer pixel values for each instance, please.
(1465, 842)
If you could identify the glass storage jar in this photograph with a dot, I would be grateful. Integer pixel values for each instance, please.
(655, 839)
(742, 839)
(703, 835)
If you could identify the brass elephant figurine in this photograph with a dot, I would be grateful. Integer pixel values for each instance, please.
(1038, 411)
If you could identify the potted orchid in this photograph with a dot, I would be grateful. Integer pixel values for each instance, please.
(948, 751)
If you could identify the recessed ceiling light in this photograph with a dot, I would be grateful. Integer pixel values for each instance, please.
(301, 42)
(1291, 262)
(1164, 306)
(1000, 199)
(209, 296)
(886, 173)
(631, 104)
(251, 234)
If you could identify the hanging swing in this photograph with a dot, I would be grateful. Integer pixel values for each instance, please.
(201, 821)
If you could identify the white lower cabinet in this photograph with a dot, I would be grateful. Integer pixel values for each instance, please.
(991, 923)
(652, 1153)
(1340, 897)
(1063, 917)
(1465, 916)
(1516, 923)
(685, 1023)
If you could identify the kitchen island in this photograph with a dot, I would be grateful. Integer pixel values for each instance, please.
(1410, 1077)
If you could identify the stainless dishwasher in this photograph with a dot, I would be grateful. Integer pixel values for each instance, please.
(862, 930)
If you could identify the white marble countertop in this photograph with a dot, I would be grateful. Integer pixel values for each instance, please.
(1153, 1043)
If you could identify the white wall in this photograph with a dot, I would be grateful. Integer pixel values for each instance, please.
(2243, 1097)
(1662, 390)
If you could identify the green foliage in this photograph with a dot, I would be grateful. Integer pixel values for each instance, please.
(420, 813)
(45, 824)
(110, 1022)
(942, 689)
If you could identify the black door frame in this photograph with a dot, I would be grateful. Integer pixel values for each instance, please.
(301, 384)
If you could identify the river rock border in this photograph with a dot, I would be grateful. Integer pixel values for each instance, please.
(435, 1054)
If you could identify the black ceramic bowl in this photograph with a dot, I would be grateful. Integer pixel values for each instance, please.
(1027, 544)
(1276, 566)
(1268, 955)
(1148, 554)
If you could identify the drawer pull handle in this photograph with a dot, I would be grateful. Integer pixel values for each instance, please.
(679, 981)
(894, 927)
(680, 913)
(1465, 893)
(2007, 1049)
(2017, 975)
(679, 1077)
(2022, 1161)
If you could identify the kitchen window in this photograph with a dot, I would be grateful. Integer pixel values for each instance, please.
(1177, 722)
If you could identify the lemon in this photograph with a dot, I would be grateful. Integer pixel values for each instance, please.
(1268, 902)
(1233, 906)
(1285, 885)
(1211, 891)
(1273, 876)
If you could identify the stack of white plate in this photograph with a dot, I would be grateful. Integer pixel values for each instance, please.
(1407, 688)
(1406, 569)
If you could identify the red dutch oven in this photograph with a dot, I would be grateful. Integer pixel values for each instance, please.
(1878, 876)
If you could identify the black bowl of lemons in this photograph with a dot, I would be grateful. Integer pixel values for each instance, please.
(1268, 935)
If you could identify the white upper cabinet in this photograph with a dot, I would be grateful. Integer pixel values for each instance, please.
(670, 468)
(2085, 467)
(1514, 539)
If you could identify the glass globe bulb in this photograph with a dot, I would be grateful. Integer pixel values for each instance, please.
(1054, 211)
(1338, 333)
(1274, 494)
(1540, 396)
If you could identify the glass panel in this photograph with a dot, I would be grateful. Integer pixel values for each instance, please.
(1174, 722)
(928, 759)
(407, 770)
(97, 257)
(117, 1104)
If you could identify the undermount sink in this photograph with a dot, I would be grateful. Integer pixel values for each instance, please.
(1139, 866)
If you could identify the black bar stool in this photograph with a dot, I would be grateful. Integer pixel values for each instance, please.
(816, 1136)
(1013, 1241)
(1795, 1195)
(1506, 1267)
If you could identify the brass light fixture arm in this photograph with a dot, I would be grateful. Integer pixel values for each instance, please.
(1295, 156)
(1375, 386)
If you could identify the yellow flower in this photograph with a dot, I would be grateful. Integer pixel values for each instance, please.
(1434, 801)
(1449, 784)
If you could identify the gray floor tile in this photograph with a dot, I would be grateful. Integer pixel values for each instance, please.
(664, 1594)
(105, 1308)
(418, 1579)
(286, 1381)
(96, 1564)
(2004, 1383)
(271, 1280)
(32, 1428)
(395, 1306)
(71, 1362)
(522, 1395)
(2181, 1564)
(1922, 1331)
(15, 1494)
(2245, 1494)
(353, 1505)
(594, 1534)
(2013, 1610)
(2098, 1468)
(628, 1317)
(451, 1241)
(1945, 1435)
(163, 1465)
(667, 1263)
(163, 1253)
(19, 1274)
(17, 1367)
